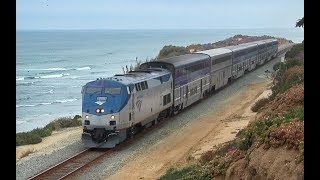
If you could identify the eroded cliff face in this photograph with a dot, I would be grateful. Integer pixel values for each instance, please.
(273, 163)
(281, 154)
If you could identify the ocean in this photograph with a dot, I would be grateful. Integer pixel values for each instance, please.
(53, 65)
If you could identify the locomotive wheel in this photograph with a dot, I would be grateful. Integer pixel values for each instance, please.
(133, 130)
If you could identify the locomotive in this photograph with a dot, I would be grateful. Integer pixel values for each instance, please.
(117, 107)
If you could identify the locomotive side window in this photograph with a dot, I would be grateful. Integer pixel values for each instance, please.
(146, 84)
(142, 86)
(138, 87)
(166, 99)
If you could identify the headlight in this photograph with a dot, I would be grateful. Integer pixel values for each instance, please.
(87, 116)
(112, 117)
(102, 110)
(97, 110)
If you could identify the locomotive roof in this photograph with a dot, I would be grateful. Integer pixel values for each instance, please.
(134, 76)
(184, 59)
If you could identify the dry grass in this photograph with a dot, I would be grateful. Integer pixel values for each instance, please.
(26, 153)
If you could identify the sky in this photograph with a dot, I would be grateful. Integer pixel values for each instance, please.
(157, 14)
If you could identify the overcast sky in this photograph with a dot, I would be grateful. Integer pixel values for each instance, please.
(157, 14)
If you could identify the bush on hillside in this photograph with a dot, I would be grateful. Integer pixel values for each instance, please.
(169, 51)
(295, 50)
(27, 138)
(291, 62)
(288, 79)
(64, 122)
(259, 104)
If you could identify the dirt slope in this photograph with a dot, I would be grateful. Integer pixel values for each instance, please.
(189, 143)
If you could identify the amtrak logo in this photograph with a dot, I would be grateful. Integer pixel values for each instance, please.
(139, 102)
(101, 100)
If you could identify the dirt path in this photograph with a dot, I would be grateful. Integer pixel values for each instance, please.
(197, 138)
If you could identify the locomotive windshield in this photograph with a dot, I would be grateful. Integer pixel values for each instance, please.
(112, 90)
(109, 95)
(93, 90)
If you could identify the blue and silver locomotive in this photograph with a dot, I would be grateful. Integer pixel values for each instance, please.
(117, 107)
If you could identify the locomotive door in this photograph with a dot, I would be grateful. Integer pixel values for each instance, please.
(187, 94)
(201, 93)
(132, 107)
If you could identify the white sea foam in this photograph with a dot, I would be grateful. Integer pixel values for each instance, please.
(25, 105)
(54, 69)
(47, 69)
(65, 100)
(83, 68)
(45, 103)
(20, 122)
(54, 75)
(19, 78)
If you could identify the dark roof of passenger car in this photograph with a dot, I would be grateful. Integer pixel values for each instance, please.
(184, 59)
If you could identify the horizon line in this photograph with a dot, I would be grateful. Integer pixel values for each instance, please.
(53, 29)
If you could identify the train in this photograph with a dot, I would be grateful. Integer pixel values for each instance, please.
(118, 107)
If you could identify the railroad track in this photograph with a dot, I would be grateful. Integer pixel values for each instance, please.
(87, 157)
(71, 165)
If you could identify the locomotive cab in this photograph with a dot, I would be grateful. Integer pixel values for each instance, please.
(102, 101)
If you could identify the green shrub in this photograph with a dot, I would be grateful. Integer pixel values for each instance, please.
(64, 122)
(246, 141)
(295, 50)
(42, 132)
(294, 113)
(77, 117)
(27, 138)
(290, 62)
(259, 104)
(289, 83)
(288, 79)
(169, 51)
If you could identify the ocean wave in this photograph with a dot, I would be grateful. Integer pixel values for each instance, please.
(20, 122)
(21, 83)
(73, 77)
(65, 100)
(19, 78)
(101, 72)
(54, 69)
(44, 103)
(26, 105)
(50, 76)
(83, 68)
(47, 103)
(45, 69)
